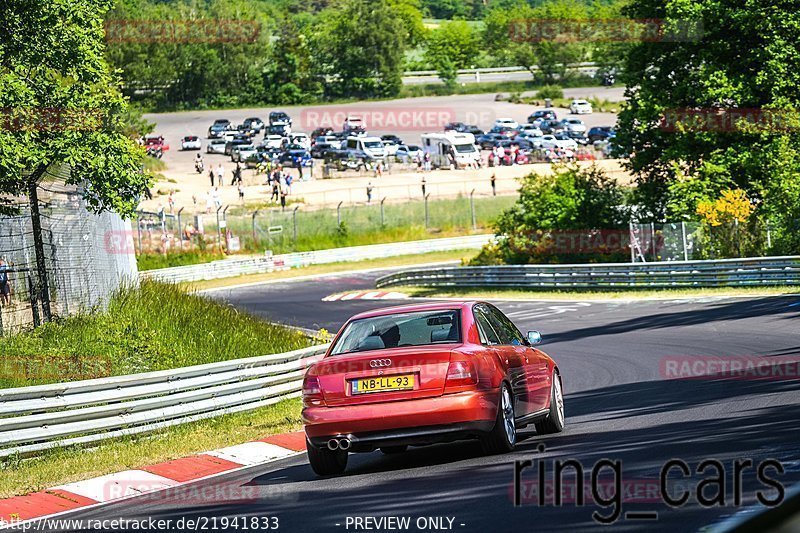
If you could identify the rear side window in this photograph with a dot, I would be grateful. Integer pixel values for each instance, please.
(398, 330)
(485, 329)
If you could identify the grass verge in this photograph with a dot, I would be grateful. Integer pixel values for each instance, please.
(316, 270)
(489, 293)
(155, 326)
(65, 465)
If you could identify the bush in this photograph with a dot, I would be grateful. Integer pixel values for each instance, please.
(550, 91)
(575, 215)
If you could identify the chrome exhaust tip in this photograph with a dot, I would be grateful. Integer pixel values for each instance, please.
(333, 444)
(344, 444)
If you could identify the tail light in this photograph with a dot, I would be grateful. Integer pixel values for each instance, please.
(461, 374)
(312, 392)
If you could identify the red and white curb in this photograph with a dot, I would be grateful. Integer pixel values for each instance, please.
(366, 295)
(154, 479)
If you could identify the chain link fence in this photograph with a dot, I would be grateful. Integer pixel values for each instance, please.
(86, 257)
(301, 228)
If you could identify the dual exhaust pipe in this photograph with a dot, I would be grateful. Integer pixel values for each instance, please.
(339, 444)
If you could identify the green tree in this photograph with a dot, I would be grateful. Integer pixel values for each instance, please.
(452, 46)
(361, 48)
(63, 105)
(724, 55)
(572, 198)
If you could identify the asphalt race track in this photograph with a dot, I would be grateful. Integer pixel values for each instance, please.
(618, 407)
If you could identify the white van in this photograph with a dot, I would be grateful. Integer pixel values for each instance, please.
(451, 149)
(371, 145)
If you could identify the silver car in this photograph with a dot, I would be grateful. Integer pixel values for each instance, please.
(215, 146)
(241, 152)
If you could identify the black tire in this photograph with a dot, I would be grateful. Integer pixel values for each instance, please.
(326, 462)
(503, 436)
(390, 450)
(554, 423)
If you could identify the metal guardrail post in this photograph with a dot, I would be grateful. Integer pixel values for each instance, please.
(653, 240)
(383, 219)
(139, 228)
(683, 240)
(225, 219)
(472, 209)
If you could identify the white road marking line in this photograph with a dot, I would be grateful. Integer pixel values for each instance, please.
(119, 485)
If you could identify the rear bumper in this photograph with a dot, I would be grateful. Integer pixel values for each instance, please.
(413, 422)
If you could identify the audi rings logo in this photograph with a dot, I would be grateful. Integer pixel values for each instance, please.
(380, 363)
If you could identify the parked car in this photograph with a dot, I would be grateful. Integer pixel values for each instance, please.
(487, 141)
(154, 141)
(459, 370)
(253, 124)
(530, 129)
(295, 155)
(241, 152)
(506, 123)
(279, 118)
(558, 141)
(273, 141)
(300, 138)
(278, 129)
(407, 153)
(474, 130)
(218, 128)
(191, 142)
(545, 114)
(216, 146)
(599, 133)
(393, 138)
(535, 141)
(455, 126)
(230, 145)
(551, 126)
(346, 159)
(505, 131)
(574, 125)
(580, 107)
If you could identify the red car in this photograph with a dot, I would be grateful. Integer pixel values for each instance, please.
(424, 374)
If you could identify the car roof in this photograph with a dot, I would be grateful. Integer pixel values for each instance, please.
(412, 308)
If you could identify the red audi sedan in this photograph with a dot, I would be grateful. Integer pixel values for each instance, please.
(424, 374)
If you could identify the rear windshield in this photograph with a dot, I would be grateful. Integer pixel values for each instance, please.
(404, 329)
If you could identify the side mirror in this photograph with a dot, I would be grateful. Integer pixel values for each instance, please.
(534, 338)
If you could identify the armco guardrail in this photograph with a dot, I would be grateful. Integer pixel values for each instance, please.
(257, 265)
(37, 418)
(762, 271)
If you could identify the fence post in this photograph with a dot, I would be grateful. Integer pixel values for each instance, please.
(653, 240)
(683, 239)
(632, 238)
(294, 223)
(383, 220)
(180, 228)
(219, 234)
(339, 214)
(426, 210)
(225, 219)
(34, 303)
(139, 229)
(472, 209)
(253, 225)
(163, 218)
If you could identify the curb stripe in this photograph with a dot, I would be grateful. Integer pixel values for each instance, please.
(189, 468)
(294, 441)
(41, 504)
(118, 485)
(251, 453)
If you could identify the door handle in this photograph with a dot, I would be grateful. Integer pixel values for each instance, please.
(506, 360)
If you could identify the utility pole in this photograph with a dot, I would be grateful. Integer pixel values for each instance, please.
(38, 244)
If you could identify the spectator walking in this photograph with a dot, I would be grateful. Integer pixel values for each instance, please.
(379, 168)
(209, 201)
(284, 193)
(275, 190)
(220, 175)
(427, 159)
(171, 202)
(237, 174)
(211, 175)
(216, 198)
(418, 161)
(369, 192)
(241, 193)
(5, 284)
(494, 184)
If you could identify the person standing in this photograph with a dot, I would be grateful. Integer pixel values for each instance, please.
(494, 184)
(217, 199)
(241, 193)
(427, 158)
(211, 175)
(284, 193)
(275, 190)
(369, 192)
(5, 284)
(237, 174)
(220, 175)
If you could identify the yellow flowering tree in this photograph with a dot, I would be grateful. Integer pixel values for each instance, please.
(723, 216)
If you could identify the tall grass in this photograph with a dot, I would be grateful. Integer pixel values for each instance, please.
(155, 326)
